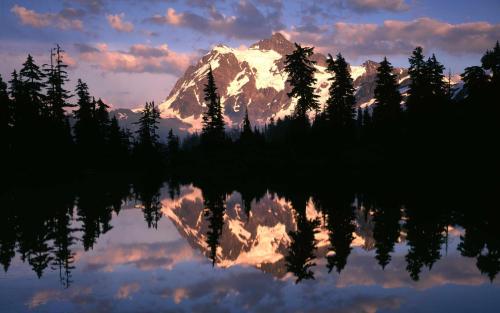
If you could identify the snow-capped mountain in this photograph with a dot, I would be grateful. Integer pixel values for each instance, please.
(260, 240)
(254, 78)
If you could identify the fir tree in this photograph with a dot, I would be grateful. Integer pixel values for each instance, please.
(213, 121)
(491, 61)
(31, 77)
(340, 104)
(476, 81)
(435, 79)
(387, 106)
(172, 143)
(418, 85)
(147, 133)
(5, 118)
(85, 127)
(300, 71)
(246, 131)
(102, 117)
(117, 140)
(57, 76)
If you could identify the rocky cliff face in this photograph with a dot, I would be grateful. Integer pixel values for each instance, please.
(254, 79)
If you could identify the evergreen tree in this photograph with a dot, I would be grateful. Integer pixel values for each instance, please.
(147, 135)
(213, 120)
(418, 84)
(476, 81)
(58, 133)
(491, 61)
(435, 79)
(387, 106)
(246, 129)
(5, 118)
(31, 77)
(300, 71)
(118, 141)
(22, 116)
(85, 127)
(102, 118)
(172, 143)
(340, 104)
(57, 95)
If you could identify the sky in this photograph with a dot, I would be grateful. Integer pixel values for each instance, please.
(131, 51)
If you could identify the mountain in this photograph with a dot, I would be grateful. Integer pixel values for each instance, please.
(260, 240)
(254, 78)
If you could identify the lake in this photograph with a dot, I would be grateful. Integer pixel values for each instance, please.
(171, 247)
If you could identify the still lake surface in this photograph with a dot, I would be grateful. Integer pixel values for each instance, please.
(191, 249)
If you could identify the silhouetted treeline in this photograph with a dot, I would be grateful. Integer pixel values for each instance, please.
(45, 225)
(46, 128)
(427, 126)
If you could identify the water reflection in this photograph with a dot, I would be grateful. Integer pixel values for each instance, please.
(287, 233)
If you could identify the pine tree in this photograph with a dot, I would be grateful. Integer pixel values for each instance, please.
(213, 121)
(147, 141)
(418, 85)
(387, 106)
(31, 76)
(102, 122)
(435, 79)
(246, 131)
(476, 81)
(102, 117)
(118, 142)
(340, 104)
(57, 95)
(300, 71)
(5, 119)
(85, 127)
(172, 144)
(491, 61)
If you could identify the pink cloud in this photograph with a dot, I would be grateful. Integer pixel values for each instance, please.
(394, 37)
(139, 58)
(117, 23)
(59, 20)
(377, 5)
(126, 290)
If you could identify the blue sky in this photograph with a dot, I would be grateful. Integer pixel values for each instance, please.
(133, 51)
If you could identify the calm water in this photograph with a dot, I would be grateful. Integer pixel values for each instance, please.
(103, 248)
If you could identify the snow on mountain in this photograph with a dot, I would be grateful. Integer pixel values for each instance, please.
(254, 78)
(261, 240)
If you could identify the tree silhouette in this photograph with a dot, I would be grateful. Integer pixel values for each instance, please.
(6, 119)
(387, 106)
(214, 202)
(340, 224)
(300, 69)
(341, 101)
(213, 121)
(147, 145)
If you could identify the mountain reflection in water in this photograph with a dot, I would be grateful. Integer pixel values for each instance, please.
(114, 246)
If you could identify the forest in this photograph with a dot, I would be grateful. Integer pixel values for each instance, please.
(46, 128)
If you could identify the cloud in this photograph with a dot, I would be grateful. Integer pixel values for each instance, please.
(126, 290)
(93, 6)
(142, 256)
(248, 22)
(394, 37)
(139, 58)
(66, 19)
(117, 23)
(377, 5)
(43, 296)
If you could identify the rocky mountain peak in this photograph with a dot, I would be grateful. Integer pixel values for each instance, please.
(276, 42)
